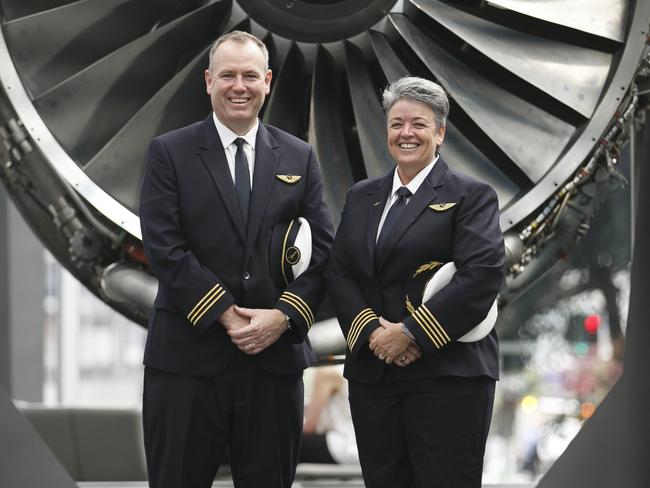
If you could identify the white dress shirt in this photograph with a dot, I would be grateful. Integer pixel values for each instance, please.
(230, 148)
(413, 186)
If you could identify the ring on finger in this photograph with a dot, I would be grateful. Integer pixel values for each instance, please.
(381, 356)
(404, 358)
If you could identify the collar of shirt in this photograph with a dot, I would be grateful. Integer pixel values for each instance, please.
(228, 138)
(414, 184)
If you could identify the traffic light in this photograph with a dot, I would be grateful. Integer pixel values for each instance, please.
(582, 332)
(591, 324)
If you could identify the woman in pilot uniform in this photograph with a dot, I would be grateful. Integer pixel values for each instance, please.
(421, 400)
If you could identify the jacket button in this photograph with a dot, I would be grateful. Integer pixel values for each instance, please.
(246, 275)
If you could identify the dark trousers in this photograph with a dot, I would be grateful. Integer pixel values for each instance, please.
(314, 449)
(189, 422)
(423, 434)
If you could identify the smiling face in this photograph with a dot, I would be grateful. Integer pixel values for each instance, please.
(238, 84)
(413, 136)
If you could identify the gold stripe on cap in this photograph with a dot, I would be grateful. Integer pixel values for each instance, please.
(435, 321)
(362, 319)
(426, 327)
(209, 306)
(284, 249)
(199, 305)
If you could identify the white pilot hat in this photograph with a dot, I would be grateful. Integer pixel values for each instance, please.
(431, 278)
(289, 250)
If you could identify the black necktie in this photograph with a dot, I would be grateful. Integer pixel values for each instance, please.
(242, 178)
(394, 214)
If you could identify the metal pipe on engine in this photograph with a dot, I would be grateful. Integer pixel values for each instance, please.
(128, 284)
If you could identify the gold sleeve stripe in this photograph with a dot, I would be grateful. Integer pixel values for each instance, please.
(363, 324)
(435, 321)
(354, 331)
(431, 326)
(298, 306)
(360, 328)
(205, 297)
(205, 306)
(288, 300)
(201, 303)
(356, 322)
(359, 322)
(209, 305)
(427, 329)
(359, 316)
(304, 304)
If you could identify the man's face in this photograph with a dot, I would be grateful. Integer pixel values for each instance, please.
(412, 135)
(238, 84)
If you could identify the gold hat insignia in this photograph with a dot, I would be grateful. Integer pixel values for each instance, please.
(289, 179)
(441, 207)
(292, 256)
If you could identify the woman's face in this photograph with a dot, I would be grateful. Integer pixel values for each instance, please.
(412, 135)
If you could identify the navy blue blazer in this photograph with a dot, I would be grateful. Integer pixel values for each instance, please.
(452, 217)
(205, 259)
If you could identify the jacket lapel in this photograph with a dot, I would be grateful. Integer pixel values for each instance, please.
(376, 202)
(416, 205)
(214, 158)
(266, 164)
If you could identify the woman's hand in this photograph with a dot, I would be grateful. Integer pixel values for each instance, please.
(389, 343)
(412, 353)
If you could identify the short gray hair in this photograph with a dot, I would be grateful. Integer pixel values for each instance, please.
(419, 90)
(242, 38)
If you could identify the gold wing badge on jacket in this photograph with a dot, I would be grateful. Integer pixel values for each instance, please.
(289, 179)
(442, 207)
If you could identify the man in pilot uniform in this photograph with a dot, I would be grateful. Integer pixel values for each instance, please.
(227, 345)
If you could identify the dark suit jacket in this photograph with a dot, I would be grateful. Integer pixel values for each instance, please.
(361, 289)
(204, 258)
